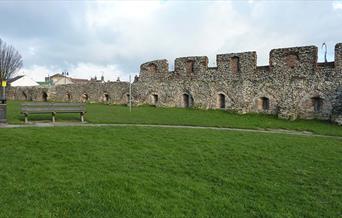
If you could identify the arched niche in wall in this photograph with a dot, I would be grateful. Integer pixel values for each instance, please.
(68, 96)
(189, 66)
(154, 99)
(317, 104)
(84, 97)
(187, 100)
(44, 96)
(128, 98)
(263, 104)
(221, 101)
(266, 104)
(235, 65)
(105, 97)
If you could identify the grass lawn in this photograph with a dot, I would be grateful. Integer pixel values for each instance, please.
(151, 172)
(100, 113)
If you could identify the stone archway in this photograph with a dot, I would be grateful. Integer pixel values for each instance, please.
(317, 103)
(187, 100)
(155, 99)
(221, 101)
(44, 96)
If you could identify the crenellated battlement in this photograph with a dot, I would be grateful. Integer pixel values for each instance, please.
(293, 85)
(288, 62)
(236, 64)
(154, 69)
(190, 66)
(293, 62)
(338, 56)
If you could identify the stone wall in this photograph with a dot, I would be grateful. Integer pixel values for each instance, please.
(110, 92)
(293, 86)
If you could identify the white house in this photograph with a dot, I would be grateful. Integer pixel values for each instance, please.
(59, 79)
(63, 81)
(22, 81)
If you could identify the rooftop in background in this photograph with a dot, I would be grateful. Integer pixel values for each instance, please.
(59, 79)
(22, 80)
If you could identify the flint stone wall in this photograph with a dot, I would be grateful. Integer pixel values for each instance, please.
(110, 92)
(293, 86)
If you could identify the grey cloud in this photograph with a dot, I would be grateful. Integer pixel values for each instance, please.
(59, 34)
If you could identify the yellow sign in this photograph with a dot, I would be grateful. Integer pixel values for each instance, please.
(3, 83)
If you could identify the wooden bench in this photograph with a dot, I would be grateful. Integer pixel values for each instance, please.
(53, 108)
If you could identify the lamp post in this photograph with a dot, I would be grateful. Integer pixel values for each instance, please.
(3, 105)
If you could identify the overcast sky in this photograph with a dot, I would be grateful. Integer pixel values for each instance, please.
(114, 38)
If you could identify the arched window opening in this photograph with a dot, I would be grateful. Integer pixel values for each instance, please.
(235, 65)
(44, 96)
(317, 103)
(187, 100)
(263, 104)
(221, 101)
(155, 99)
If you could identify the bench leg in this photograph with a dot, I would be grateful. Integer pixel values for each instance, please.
(26, 118)
(82, 117)
(53, 117)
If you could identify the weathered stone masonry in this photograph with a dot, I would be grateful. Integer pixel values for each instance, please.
(293, 86)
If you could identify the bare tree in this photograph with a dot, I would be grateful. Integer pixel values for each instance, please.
(10, 61)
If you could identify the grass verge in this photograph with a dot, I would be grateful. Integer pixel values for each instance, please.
(149, 172)
(101, 113)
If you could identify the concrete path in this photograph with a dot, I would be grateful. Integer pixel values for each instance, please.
(270, 131)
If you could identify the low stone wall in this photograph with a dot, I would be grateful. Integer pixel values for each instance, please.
(110, 92)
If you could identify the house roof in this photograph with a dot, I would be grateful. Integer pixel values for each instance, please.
(57, 74)
(15, 79)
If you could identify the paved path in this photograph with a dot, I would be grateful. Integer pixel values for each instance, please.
(270, 131)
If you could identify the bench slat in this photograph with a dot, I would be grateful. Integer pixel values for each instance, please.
(53, 109)
(50, 107)
(49, 112)
(45, 107)
(36, 104)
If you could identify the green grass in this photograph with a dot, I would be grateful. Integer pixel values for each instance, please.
(151, 172)
(100, 113)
